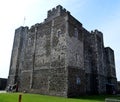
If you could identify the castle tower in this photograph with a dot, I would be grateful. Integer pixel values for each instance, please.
(111, 84)
(17, 56)
(59, 57)
(98, 61)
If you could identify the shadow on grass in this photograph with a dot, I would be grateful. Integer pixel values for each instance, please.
(98, 97)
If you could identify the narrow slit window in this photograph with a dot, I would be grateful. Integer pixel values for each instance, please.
(59, 57)
(59, 33)
(76, 32)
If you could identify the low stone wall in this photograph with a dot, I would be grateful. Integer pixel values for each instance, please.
(3, 82)
(111, 100)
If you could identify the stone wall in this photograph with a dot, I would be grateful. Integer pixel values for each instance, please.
(95, 62)
(3, 83)
(44, 59)
(118, 87)
(58, 75)
(60, 57)
(75, 58)
(98, 53)
(76, 82)
(17, 57)
(110, 66)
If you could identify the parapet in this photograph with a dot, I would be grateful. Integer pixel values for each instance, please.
(109, 49)
(21, 28)
(98, 33)
(57, 11)
(35, 27)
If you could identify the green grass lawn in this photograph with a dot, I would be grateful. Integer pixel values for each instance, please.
(13, 97)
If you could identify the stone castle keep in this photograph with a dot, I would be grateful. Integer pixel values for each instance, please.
(60, 57)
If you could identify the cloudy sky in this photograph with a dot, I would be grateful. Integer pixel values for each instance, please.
(103, 15)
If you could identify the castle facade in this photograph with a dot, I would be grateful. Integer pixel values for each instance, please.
(60, 57)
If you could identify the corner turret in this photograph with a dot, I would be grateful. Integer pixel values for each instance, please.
(57, 11)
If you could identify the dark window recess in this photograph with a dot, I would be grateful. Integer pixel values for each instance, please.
(59, 57)
(59, 33)
(76, 32)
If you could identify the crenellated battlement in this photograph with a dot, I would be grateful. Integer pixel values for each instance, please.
(57, 11)
(97, 32)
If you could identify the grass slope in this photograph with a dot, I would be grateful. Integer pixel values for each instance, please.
(13, 97)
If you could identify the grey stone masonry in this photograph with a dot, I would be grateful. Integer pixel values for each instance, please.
(60, 57)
